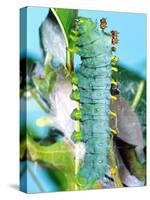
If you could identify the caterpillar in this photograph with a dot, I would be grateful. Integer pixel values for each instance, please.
(94, 89)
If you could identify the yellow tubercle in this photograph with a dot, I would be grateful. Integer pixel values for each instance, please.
(115, 58)
(114, 98)
(113, 170)
(73, 38)
(75, 32)
(115, 69)
(114, 82)
(73, 49)
(114, 114)
(113, 63)
(114, 131)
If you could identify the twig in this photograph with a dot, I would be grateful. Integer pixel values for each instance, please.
(77, 151)
(138, 95)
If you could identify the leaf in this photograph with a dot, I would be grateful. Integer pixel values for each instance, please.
(131, 160)
(55, 35)
(128, 123)
(128, 85)
(59, 156)
(131, 125)
(127, 178)
(55, 31)
(46, 82)
(52, 38)
(67, 17)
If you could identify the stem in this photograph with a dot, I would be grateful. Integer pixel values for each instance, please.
(138, 95)
(77, 151)
(113, 165)
(77, 164)
(77, 156)
(37, 99)
(68, 62)
(48, 58)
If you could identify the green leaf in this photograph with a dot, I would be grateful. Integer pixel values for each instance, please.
(59, 156)
(67, 17)
(46, 83)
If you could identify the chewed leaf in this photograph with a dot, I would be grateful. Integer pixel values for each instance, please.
(59, 155)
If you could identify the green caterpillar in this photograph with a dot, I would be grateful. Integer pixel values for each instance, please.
(93, 81)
